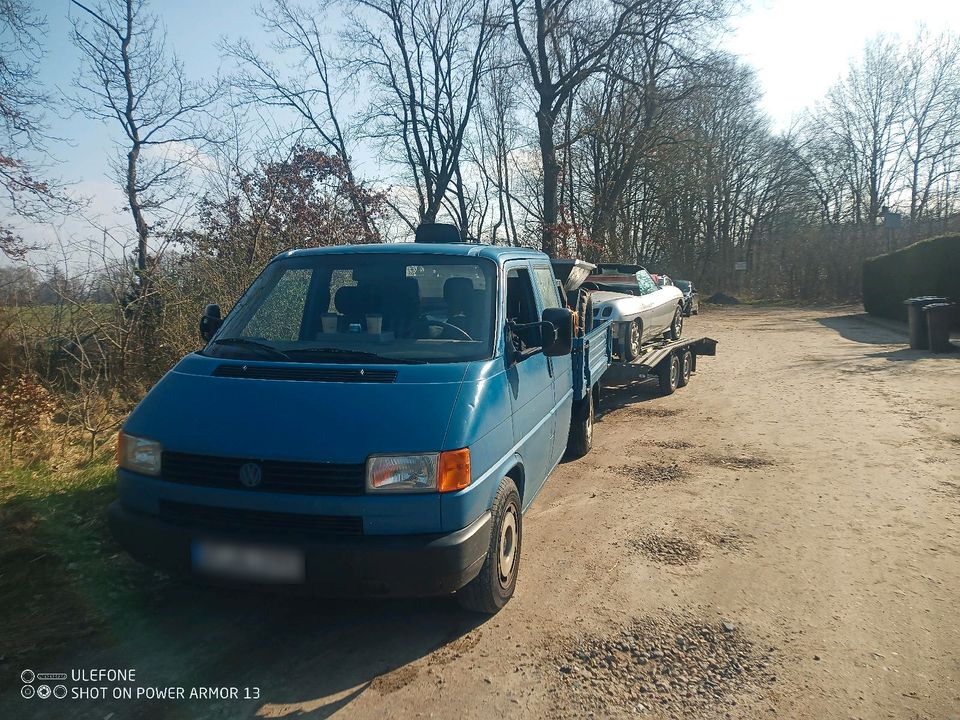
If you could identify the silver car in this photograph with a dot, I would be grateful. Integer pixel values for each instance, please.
(640, 311)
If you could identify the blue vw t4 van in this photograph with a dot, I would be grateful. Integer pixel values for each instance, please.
(369, 419)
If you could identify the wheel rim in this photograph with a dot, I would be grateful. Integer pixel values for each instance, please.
(634, 340)
(674, 372)
(686, 367)
(678, 322)
(507, 547)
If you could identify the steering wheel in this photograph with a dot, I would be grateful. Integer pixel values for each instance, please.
(458, 332)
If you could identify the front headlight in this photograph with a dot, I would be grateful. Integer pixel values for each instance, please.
(402, 473)
(444, 472)
(138, 454)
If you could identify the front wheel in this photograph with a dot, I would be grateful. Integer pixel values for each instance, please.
(632, 342)
(493, 587)
(676, 327)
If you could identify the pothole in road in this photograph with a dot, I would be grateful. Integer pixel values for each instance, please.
(675, 664)
(725, 540)
(948, 489)
(736, 461)
(671, 549)
(668, 549)
(646, 474)
(650, 412)
(674, 444)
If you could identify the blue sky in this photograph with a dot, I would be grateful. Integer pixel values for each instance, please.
(193, 29)
(799, 48)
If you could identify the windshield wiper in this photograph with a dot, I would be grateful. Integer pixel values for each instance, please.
(253, 344)
(358, 355)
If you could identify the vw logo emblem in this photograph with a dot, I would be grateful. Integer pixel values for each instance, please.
(251, 475)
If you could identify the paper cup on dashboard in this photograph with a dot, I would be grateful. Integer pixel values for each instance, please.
(374, 323)
(329, 322)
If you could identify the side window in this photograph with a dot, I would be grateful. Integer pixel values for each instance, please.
(280, 316)
(547, 286)
(522, 309)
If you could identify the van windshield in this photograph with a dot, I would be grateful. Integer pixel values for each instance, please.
(364, 308)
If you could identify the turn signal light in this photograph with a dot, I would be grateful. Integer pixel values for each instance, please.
(454, 470)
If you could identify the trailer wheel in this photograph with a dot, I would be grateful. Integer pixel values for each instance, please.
(493, 587)
(585, 311)
(686, 367)
(668, 372)
(580, 439)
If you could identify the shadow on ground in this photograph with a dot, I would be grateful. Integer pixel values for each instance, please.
(863, 329)
(309, 657)
(617, 397)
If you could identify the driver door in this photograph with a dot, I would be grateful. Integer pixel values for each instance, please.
(530, 378)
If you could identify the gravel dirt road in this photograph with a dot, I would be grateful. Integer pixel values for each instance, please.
(779, 539)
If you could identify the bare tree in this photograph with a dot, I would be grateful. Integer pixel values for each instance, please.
(22, 130)
(129, 78)
(310, 91)
(498, 141)
(931, 118)
(563, 43)
(863, 114)
(426, 59)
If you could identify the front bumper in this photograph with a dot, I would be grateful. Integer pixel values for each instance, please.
(394, 565)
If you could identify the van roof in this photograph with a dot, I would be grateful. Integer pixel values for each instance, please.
(497, 253)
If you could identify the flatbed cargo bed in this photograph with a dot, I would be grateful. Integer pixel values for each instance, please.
(651, 361)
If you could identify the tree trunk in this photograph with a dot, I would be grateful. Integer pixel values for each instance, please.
(143, 230)
(551, 179)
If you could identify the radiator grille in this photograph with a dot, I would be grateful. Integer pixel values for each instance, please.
(276, 475)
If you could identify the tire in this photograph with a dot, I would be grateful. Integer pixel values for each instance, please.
(686, 368)
(676, 327)
(633, 342)
(668, 372)
(580, 438)
(489, 591)
(585, 311)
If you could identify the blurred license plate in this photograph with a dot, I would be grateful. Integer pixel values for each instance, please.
(248, 562)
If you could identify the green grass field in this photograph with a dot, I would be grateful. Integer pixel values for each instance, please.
(62, 578)
(55, 320)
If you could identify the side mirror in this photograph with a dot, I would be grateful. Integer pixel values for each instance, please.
(210, 321)
(561, 320)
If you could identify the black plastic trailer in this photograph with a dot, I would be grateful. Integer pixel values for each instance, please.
(670, 362)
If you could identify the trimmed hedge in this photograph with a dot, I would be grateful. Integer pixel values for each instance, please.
(928, 267)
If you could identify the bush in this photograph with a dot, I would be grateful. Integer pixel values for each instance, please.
(928, 267)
